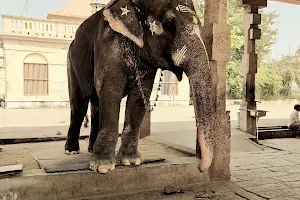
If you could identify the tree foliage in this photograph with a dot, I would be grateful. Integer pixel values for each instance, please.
(234, 79)
(275, 77)
(268, 81)
(236, 21)
(263, 49)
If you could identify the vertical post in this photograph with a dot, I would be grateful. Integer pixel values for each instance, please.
(173, 84)
(216, 34)
(97, 5)
(251, 31)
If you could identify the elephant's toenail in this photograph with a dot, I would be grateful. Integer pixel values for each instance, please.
(126, 162)
(103, 170)
(138, 162)
(75, 152)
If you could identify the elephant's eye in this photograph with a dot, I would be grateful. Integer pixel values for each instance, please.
(168, 24)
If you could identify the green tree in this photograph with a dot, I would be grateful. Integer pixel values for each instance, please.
(236, 21)
(234, 79)
(289, 70)
(264, 45)
(268, 81)
(275, 77)
(199, 8)
(269, 34)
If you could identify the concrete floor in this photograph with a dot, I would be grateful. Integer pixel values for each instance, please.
(265, 172)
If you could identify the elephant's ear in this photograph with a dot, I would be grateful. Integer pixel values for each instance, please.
(122, 18)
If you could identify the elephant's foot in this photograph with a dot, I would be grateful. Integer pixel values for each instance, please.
(102, 166)
(72, 147)
(129, 159)
(72, 152)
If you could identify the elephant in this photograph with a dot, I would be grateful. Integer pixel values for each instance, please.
(116, 53)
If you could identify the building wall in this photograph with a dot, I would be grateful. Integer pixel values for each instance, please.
(2, 82)
(2, 72)
(181, 98)
(54, 53)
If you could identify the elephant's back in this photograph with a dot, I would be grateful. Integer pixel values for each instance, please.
(90, 27)
(81, 52)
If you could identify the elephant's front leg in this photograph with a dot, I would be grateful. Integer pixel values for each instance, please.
(135, 110)
(103, 156)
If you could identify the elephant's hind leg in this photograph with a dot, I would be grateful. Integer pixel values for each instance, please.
(78, 111)
(135, 111)
(78, 106)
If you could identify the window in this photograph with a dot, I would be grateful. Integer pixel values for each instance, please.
(35, 79)
(169, 84)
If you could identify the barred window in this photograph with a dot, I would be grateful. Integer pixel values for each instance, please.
(35, 79)
(169, 84)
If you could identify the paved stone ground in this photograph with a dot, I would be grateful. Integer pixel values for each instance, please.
(265, 172)
(215, 191)
(61, 116)
(270, 174)
(270, 171)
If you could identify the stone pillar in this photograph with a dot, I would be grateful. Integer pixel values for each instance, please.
(97, 5)
(216, 34)
(251, 31)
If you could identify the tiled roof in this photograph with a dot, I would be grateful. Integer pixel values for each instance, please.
(74, 8)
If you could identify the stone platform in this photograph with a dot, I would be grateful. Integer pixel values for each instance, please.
(175, 178)
(33, 183)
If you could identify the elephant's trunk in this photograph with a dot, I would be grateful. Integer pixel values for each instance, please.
(200, 78)
(204, 114)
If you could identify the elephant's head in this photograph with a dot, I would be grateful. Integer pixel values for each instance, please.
(168, 32)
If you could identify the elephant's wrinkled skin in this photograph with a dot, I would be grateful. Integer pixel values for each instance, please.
(116, 53)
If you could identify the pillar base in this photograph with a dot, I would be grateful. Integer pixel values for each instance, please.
(248, 123)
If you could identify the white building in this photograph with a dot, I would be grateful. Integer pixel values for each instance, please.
(33, 59)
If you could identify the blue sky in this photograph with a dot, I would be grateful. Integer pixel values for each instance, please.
(288, 25)
(36, 8)
(288, 22)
